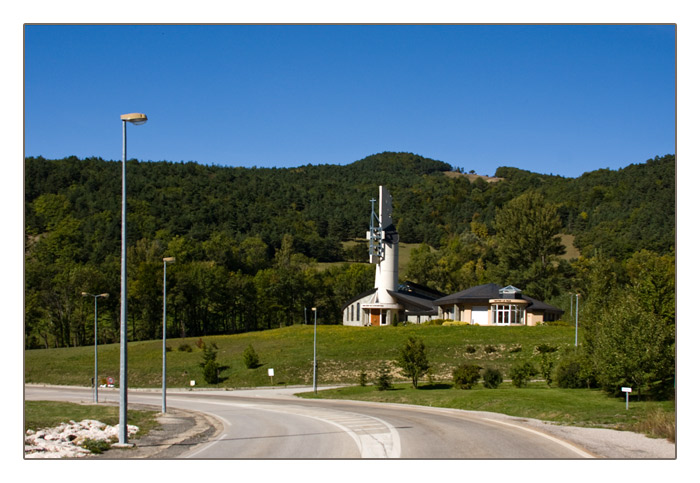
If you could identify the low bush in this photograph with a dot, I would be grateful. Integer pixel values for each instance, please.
(454, 323)
(363, 378)
(521, 373)
(492, 377)
(184, 347)
(466, 375)
(569, 374)
(574, 371)
(489, 349)
(97, 446)
(470, 349)
(383, 382)
(433, 322)
(250, 357)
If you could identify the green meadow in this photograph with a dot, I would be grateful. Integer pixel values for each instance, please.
(342, 352)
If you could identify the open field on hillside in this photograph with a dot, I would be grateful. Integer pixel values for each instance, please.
(343, 352)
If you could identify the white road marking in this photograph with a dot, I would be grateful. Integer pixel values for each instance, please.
(375, 438)
(579, 451)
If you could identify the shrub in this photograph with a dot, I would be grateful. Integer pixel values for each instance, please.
(209, 364)
(96, 446)
(454, 323)
(545, 348)
(433, 322)
(490, 349)
(250, 358)
(211, 372)
(470, 349)
(184, 347)
(569, 374)
(517, 348)
(413, 360)
(383, 379)
(492, 377)
(546, 367)
(363, 378)
(466, 375)
(547, 362)
(521, 373)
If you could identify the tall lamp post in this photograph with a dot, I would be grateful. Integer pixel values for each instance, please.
(313, 309)
(165, 269)
(133, 118)
(576, 336)
(102, 295)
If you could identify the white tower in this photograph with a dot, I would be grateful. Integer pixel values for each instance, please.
(384, 252)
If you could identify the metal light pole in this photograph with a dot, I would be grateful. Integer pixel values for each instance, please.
(134, 118)
(313, 309)
(165, 268)
(103, 295)
(576, 337)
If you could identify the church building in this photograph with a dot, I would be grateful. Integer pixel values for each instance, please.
(388, 302)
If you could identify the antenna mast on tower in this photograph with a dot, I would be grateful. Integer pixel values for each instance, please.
(374, 235)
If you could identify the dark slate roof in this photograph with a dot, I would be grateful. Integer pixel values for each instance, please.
(537, 305)
(489, 291)
(479, 293)
(415, 305)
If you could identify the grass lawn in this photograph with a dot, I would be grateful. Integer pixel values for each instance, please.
(343, 352)
(49, 414)
(578, 407)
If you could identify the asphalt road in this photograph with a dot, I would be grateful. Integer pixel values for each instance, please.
(277, 425)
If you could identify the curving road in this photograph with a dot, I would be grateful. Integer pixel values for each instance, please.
(275, 424)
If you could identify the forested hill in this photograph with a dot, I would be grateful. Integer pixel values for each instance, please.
(247, 240)
(616, 211)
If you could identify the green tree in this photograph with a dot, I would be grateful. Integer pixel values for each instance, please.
(250, 357)
(413, 360)
(210, 367)
(527, 229)
(634, 347)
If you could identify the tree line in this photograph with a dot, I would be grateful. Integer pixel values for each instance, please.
(249, 243)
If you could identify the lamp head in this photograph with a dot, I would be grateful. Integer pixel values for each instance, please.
(134, 118)
(169, 259)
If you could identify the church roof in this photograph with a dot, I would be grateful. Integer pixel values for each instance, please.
(490, 291)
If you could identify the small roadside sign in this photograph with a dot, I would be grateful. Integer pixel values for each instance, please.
(271, 373)
(627, 391)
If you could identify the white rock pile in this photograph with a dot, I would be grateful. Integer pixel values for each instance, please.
(65, 440)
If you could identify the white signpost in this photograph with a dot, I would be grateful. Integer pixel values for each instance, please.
(271, 373)
(627, 391)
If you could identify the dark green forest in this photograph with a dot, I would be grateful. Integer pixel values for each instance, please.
(248, 241)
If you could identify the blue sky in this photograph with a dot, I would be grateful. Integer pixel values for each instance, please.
(547, 98)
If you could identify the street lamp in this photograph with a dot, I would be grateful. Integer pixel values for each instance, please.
(102, 295)
(166, 260)
(137, 119)
(576, 336)
(313, 309)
